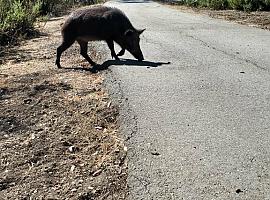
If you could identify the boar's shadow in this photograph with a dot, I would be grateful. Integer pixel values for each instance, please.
(124, 62)
(128, 62)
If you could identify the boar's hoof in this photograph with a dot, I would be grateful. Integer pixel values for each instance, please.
(93, 63)
(94, 69)
(114, 56)
(121, 53)
(58, 65)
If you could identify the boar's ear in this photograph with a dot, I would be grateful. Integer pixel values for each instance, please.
(129, 32)
(140, 31)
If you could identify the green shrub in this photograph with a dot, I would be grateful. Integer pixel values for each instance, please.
(186, 2)
(18, 16)
(218, 4)
(236, 4)
(15, 21)
(36, 9)
(247, 5)
(250, 5)
(214, 4)
(267, 2)
(265, 5)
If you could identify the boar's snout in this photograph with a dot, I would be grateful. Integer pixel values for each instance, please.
(138, 55)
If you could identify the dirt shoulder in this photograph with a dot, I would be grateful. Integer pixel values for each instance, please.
(254, 19)
(58, 128)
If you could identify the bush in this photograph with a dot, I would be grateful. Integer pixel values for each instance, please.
(218, 4)
(246, 5)
(18, 16)
(236, 4)
(250, 5)
(215, 4)
(192, 2)
(15, 19)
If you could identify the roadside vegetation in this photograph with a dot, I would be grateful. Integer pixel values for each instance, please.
(17, 17)
(58, 128)
(245, 5)
(248, 12)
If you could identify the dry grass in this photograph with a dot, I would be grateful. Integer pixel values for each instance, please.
(58, 128)
(256, 19)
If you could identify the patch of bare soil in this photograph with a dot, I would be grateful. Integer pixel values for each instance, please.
(255, 19)
(58, 128)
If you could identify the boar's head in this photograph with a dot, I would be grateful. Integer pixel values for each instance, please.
(132, 43)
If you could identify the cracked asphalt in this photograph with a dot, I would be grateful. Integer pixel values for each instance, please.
(197, 126)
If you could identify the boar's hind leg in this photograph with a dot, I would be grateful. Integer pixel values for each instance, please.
(83, 46)
(64, 46)
(111, 47)
(122, 52)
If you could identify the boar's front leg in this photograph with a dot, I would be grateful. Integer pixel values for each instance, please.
(122, 52)
(67, 42)
(83, 52)
(111, 47)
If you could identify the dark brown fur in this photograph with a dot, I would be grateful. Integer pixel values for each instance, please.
(100, 23)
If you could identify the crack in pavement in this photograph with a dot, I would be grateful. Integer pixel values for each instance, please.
(226, 53)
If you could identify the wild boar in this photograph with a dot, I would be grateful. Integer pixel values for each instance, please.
(100, 23)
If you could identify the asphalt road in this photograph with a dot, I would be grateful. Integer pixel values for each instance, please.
(199, 127)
